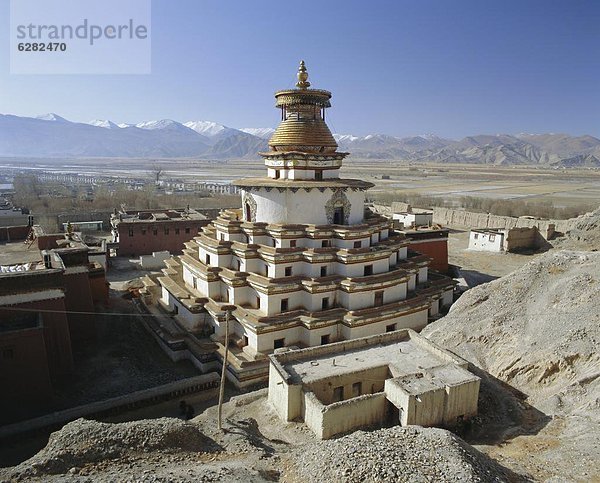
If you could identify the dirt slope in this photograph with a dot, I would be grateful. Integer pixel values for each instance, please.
(537, 330)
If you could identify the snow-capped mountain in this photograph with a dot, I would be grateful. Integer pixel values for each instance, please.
(261, 132)
(51, 135)
(103, 123)
(207, 128)
(162, 124)
(51, 117)
(58, 137)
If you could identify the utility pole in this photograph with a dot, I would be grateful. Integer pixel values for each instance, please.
(224, 370)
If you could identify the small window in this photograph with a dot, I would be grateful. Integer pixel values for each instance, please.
(476, 236)
(222, 236)
(166, 231)
(278, 343)
(207, 259)
(238, 265)
(131, 232)
(325, 303)
(338, 394)
(274, 242)
(292, 243)
(319, 175)
(356, 389)
(325, 244)
(357, 244)
(277, 174)
(323, 271)
(177, 231)
(390, 328)
(258, 302)
(175, 309)
(288, 271)
(284, 305)
(325, 339)
(187, 231)
(492, 238)
(368, 270)
(378, 298)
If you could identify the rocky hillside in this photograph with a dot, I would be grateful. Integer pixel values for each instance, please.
(538, 330)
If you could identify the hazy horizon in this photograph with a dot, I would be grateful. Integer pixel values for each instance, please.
(396, 68)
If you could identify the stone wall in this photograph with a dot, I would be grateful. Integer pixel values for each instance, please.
(14, 233)
(469, 219)
(522, 237)
(53, 222)
(328, 420)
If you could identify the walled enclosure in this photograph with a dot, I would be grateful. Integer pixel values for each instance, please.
(347, 385)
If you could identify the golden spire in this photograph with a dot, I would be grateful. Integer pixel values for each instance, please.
(302, 77)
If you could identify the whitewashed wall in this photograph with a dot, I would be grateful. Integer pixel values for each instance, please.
(485, 241)
(302, 207)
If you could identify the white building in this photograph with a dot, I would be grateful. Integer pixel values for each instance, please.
(413, 217)
(506, 240)
(486, 240)
(398, 378)
(300, 261)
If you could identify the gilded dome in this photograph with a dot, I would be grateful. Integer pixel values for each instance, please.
(303, 127)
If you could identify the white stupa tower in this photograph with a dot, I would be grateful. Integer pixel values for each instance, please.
(300, 264)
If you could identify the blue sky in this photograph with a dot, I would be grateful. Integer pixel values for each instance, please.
(452, 68)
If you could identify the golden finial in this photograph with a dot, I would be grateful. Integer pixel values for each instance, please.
(302, 77)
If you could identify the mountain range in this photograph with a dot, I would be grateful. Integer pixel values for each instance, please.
(51, 135)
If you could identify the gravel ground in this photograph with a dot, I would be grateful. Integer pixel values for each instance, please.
(409, 454)
(250, 450)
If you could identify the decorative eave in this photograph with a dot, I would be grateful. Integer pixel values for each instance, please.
(333, 184)
(206, 273)
(374, 282)
(303, 156)
(294, 97)
(357, 318)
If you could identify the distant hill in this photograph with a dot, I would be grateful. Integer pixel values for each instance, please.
(51, 135)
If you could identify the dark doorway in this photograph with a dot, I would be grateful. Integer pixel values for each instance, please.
(248, 212)
(338, 216)
(392, 414)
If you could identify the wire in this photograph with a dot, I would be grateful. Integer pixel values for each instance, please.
(76, 312)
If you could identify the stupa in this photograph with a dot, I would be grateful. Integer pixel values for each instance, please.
(302, 263)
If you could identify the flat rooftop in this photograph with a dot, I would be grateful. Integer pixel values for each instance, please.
(146, 216)
(13, 253)
(404, 352)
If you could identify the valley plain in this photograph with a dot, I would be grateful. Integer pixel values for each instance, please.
(562, 187)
